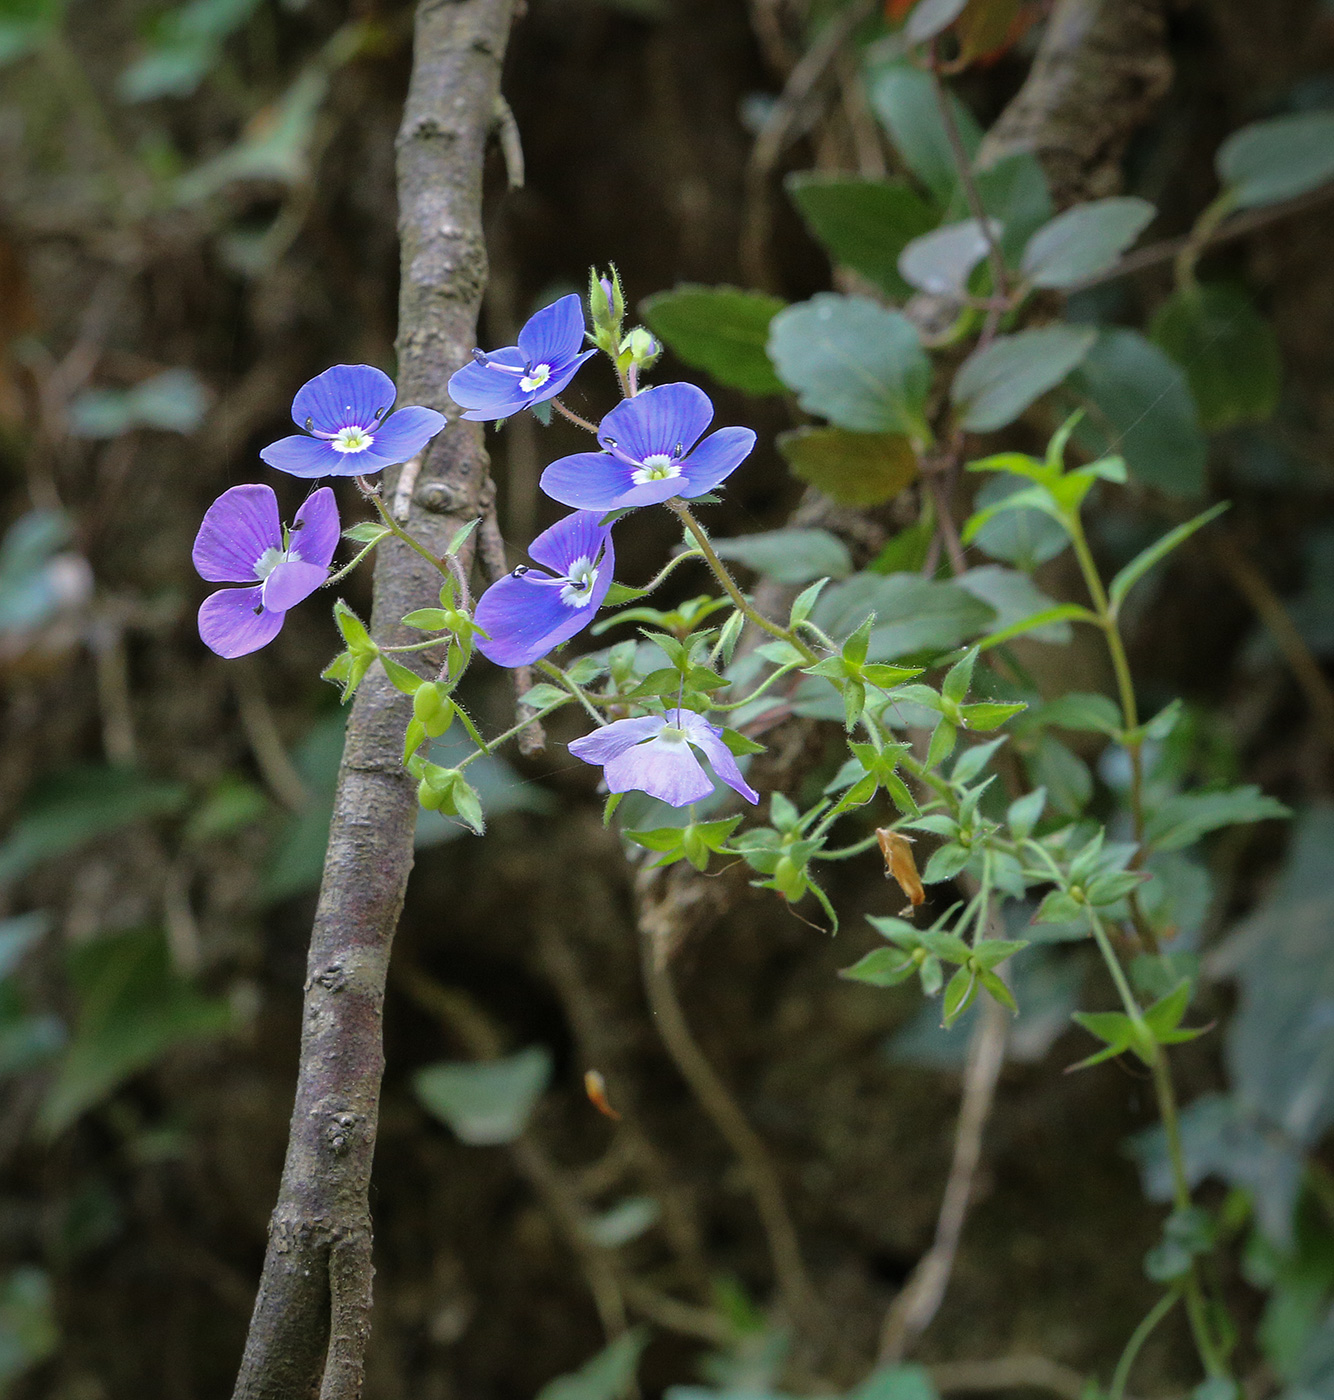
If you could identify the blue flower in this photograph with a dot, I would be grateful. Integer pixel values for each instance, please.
(347, 433)
(242, 541)
(656, 755)
(544, 361)
(651, 451)
(530, 611)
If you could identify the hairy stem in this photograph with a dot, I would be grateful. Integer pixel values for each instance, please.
(311, 1319)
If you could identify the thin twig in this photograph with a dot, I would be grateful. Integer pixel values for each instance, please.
(406, 485)
(1259, 593)
(726, 1115)
(271, 757)
(912, 1311)
(511, 144)
(1010, 1373)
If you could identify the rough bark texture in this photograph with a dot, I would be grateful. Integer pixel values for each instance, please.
(311, 1319)
(1100, 70)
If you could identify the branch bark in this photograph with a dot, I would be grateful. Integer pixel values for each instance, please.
(311, 1320)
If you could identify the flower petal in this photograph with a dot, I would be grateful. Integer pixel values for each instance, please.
(554, 335)
(715, 459)
(237, 528)
(560, 379)
(305, 457)
(709, 738)
(665, 769)
(402, 435)
(588, 480)
(577, 536)
(613, 739)
(343, 397)
(489, 393)
(658, 420)
(290, 582)
(523, 618)
(314, 534)
(230, 625)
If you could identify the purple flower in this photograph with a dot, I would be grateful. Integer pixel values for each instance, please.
(655, 755)
(651, 451)
(241, 541)
(530, 611)
(544, 361)
(347, 433)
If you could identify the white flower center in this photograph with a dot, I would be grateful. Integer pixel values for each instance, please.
(271, 558)
(578, 590)
(351, 440)
(535, 378)
(658, 466)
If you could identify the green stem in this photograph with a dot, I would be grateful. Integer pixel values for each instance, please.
(761, 688)
(574, 418)
(566, 683)
(1138, 1337)
(846, 852)
(372, 494)
(1193, 1292)
(697, 532)
(511, 733)
(347, 568)
(419, 646)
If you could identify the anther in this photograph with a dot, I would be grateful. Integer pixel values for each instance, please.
(310, 424)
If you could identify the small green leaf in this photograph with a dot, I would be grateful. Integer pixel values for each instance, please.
(959, 677)
(366, 532)
(1181, 820)
(399, 675)
(489, 1102)
(854, 469)
(996, 383)
(941, 262)
(721, 330)
(1227, 349)
(882, 967)
(1025, 812)
(1140, 565)
(460, 536)
(1277, 159)
(959, 994)
(987, 715)
(853, 362)
(1084, 241)
(608, 1376)
(428, 620)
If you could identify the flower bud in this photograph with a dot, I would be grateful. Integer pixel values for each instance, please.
(427, 701)
(428, 796)
(606, 308)
(642, 346)
(440, 721)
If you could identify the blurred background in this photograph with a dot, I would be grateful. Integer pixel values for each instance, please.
(197, 213)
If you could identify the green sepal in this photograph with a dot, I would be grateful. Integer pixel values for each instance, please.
(428, 619)
(413, 739)
(959, 677)
(399, 675)
(354, 631)
(461, 534)
(959, 993)
(739, 744)
(882, 967)
(366, 532)
(609, 807)
(942, 743)
(986, 716)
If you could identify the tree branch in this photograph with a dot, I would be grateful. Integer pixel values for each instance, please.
(310, 1325)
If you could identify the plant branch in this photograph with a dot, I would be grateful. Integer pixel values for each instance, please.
(310, 1323)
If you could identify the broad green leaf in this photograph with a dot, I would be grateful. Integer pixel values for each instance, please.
(721, 330)
(863, 224)
(853, 362)
(905, 102)
(133, 1007)
(996, 384)
(174, 401)
(1181, 820)
(489, 1101)
(1014, 192)
(1141, 407)
(1064, 774)
(1024, 813)
(881, 967)
(1227, 349)
(608, 1376)
(184, 45)
(1081, 710)
(941, 262)
(912, 614)
(1277, 159)
(66, 809)
(1084, 241)
(1140, 565)
(789, 556)
(854, 469)
(1025, 538)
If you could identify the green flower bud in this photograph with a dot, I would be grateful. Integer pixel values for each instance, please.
(428, 796)
(642, 346)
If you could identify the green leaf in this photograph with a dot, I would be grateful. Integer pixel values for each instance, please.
(904, 99)
(863, 224)
(1021, 608)
(174, 401)
(608, 1376)
(544, 694)
(1227, 349)
(354, 631)
(898, 1382)
(1081, 710)
(28, 1330)
(789, 556)
(460, 536)
(945, 863)
(1084, 241)
(854, 469)
(1142, 408)
(996, 384)
(802, 604)
(1023, 537)
(853, 362)
(366, 532)
(133, 1007)
(66, 809)
(1277, 159)
(881, 967)
(959, 677)
(488, 1102)
(1140, 565)
(720, 330)
(1115, 1029)
(983, 717)
(1025, 812)
(959, 993)
(399, 675)
(1065, 775)
(912, 614)
(1181, 820)
(941, 262)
